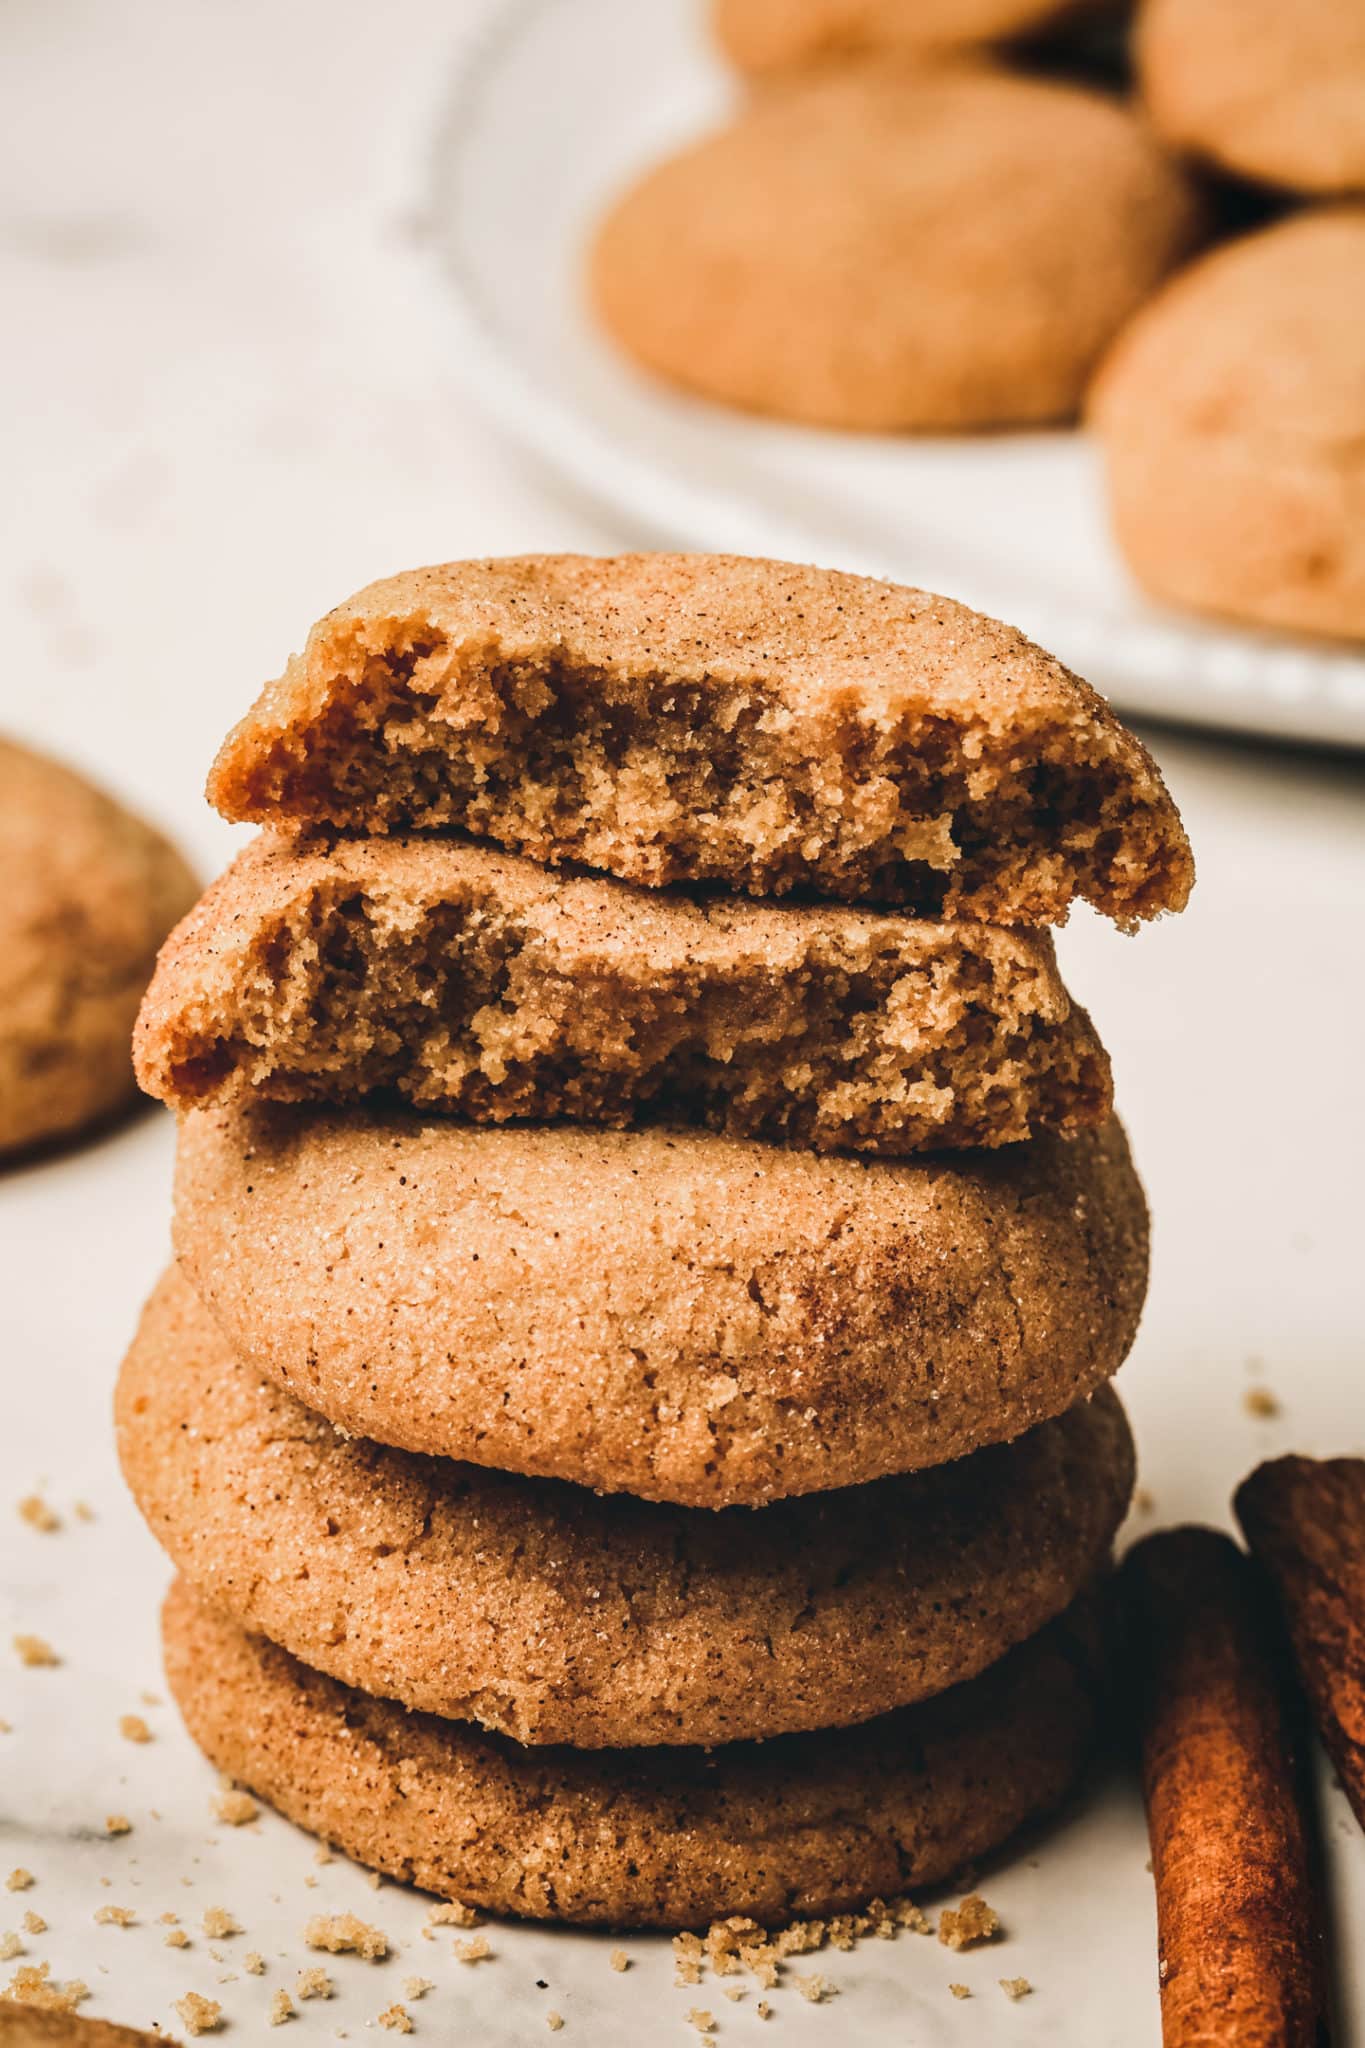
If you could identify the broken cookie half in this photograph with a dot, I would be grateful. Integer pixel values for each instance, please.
(468, 981)
(716, 719)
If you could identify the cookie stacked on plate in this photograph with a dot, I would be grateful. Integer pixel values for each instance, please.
(630, 1408)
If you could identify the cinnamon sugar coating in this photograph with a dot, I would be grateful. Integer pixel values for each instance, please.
(801, 1825)
(554, 1615)
(705, 718)
(677, 1315)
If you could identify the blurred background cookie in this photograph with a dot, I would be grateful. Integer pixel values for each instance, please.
(1232, 414)
(879, 247)
(1271, 91)
(89, 894)
(770, 35)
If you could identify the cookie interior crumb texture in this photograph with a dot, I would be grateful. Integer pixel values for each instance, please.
(456, 1590)
(801, 1825)
(467, 980)
(679, 1316)
(717, 719)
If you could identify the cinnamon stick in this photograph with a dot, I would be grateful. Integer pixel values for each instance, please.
(1305, 1520)
(1240, 1934)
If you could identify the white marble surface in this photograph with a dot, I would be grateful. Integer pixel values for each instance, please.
(227, 404)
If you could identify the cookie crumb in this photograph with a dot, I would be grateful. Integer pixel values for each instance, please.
(418, 1987)
(763, 2009)
(1144, 1500)
(322, 1854)
(1260, 1402)
(554, 2021)
(453, 1913)
(475, 1950)
(235, 1809)
(395, 2018)
(697, 2016)
(34, 1985)
(133, 1728)
(199, 2015)
(34, 1510)
(34, 1923)
(83, 1511)
(959, 1991)
(815, 1989)
(340, 1933)
(314, 1983)
(282, 2008)
(19, 1880)
(115, 1916)
(10, 1947)
(619, 1960)
(218, 1923)
(733, 1992)
(176, 1937)
(35, 1652)
(1015, 1987)
(117, 1824)
(965, 1925)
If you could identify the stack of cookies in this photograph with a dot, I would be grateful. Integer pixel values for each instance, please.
(631, 1407)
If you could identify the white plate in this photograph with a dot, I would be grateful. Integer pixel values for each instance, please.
(553, 104)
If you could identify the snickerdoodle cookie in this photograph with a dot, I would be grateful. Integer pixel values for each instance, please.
(24, 2025)
(1274, 92)
(771, 35)
(883, 247)
(712, 718)
(462, 979)
(89, 892)
(1232, 415)
(803, 1824)
(552, 1614)
(681, 1316)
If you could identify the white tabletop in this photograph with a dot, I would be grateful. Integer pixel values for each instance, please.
(229, 405)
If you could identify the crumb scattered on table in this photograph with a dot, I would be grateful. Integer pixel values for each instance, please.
(418, 1987)
(475, 1950)
(1015, 1987)
(35, 1652)
(554, 2021)
(235, 1808)
(282, 2008)
(34, 1510)
(396, 2019)
(314, 1983)
(33, 1984)
(34, 1923)
(115, 1916)
(959, 1990)
(965, 1925)
(1260, 1402)
(619, 1960)
(19, 1879)
(199, 2015)
(133, 1728)
(117, 1824)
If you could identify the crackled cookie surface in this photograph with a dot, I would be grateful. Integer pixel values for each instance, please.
(888, 247)
(1231, 416)
(803, 1824)
(470, 981)
(677, 1315)
(89, 892)
(461, 1591)
(710, 718)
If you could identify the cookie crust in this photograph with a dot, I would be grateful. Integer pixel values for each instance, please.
(680, 1316)
(763, 36)
(712, 718)
(468, 981)
(806, 1824)
(552, 1615)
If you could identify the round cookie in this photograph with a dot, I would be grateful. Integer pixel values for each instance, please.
(716, 718)
(89, 894)
(881, 248)
(1231, 416)
(1269, 91)
(461, 1591)
(774, 35)
(805, 1824)
(669, 1314)
(468, 981)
